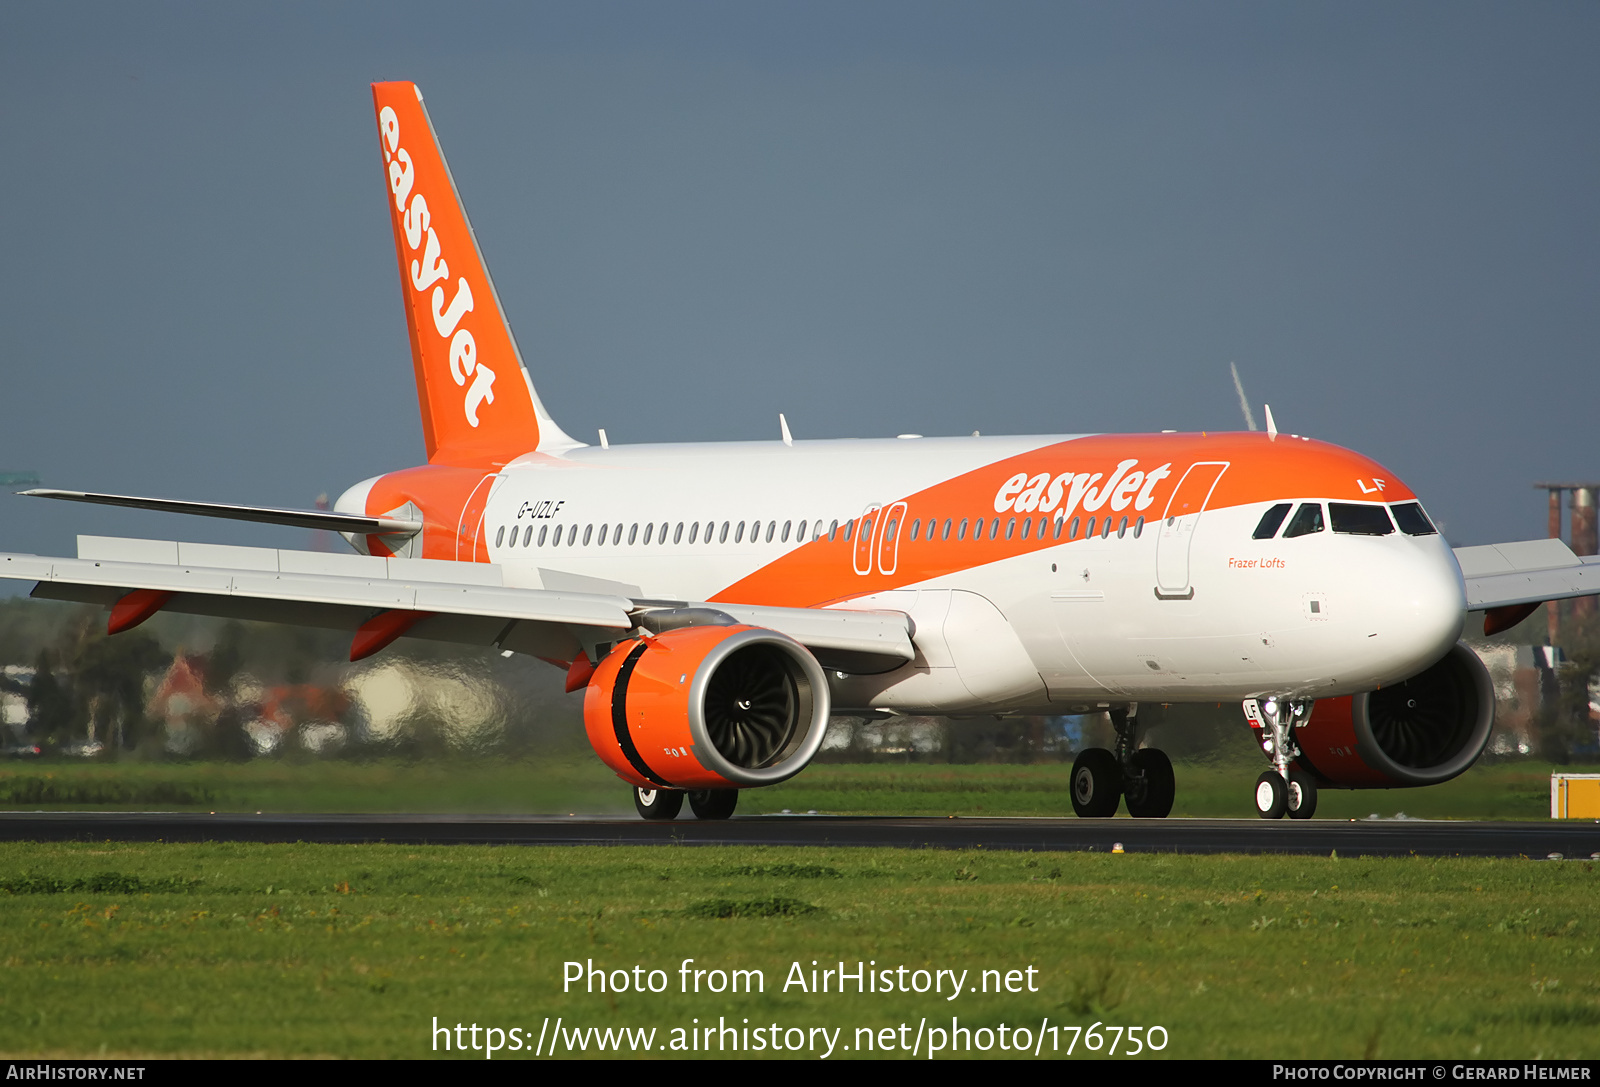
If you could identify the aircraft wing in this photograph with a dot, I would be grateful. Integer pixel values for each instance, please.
(1526, 572)
(426, 598)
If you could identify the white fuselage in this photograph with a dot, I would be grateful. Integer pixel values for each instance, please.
(1057, 626)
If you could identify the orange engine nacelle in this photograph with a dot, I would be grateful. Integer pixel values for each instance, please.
(1422, 731)
(707, 707)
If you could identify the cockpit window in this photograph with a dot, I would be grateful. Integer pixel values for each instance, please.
(1412, 521)
(1307, 519)
(1359, 519)
(1270, 521)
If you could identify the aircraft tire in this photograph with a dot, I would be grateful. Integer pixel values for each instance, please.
(713, 803)
(657, 804)
(1096, 783)
(1159, 788)
(1302, 795)
(1272, 795)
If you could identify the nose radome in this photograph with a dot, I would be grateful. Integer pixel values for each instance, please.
(1416, 602)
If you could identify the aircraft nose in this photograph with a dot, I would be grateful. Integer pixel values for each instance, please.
(1415, 601)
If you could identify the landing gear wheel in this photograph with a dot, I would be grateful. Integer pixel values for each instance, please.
(657, 803)
(1096, 783)
(1302, 795)
(1151, 798)
(713, 803)
(1272, 795)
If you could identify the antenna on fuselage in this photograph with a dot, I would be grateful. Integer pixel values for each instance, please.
(1244, 403)
(783, 427)
(1272, 427)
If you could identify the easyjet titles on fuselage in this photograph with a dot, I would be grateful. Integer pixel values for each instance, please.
(1066, 492)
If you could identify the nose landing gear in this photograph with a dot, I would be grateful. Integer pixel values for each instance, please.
(1286, 789)
(1141, 776)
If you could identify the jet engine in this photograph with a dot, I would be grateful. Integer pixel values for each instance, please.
(707, 707)
(1420, 731)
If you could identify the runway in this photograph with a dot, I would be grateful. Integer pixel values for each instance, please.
(1539, 840)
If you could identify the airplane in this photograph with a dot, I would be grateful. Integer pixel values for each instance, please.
(716, 603)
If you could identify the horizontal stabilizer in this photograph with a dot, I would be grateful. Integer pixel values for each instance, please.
(328, 520)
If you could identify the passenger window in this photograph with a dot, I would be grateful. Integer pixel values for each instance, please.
(1060, 523)
(542, 530)
(961, 533)
(1138, 528)
(527, 536)
(500, 537)
(555, 537)
(603, 530)
(1011, 528)
(677, 535)
(994, 528)
(722, 536)
(800, 533)
(945, 535)
(662, 538)
(1122, 528)
(616, 537)
(784, 538)
(633, 533)
(1268, 526)
(588, 531)
(772, 526)
(1089, 535)
(1307, 519)
(1360, 519)
(849, 527)
(916, 529)
(1072, 533)
(1412, 521)
(572, 535)
(1105, 533)
(649, 531)
(694, 531)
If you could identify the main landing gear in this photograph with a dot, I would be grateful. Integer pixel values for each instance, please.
(663, 804)
(1141, 776)
(1286, 789)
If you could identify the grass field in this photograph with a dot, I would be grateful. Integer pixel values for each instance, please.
(351, 951)
(577, 782)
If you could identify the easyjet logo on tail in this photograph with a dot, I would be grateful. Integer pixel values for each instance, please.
(1068, 491)
(430, 271)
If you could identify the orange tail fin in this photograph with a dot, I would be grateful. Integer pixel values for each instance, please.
(478, 403)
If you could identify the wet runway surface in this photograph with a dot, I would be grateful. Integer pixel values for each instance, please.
(1572, 840)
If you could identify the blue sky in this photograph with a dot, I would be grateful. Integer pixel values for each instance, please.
(874, 217)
